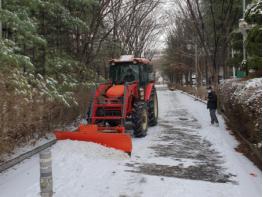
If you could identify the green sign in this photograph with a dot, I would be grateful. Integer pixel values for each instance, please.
(240, 74)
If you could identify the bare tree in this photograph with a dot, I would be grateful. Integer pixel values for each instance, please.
(128, 25)
(213, 22)
(140, 28)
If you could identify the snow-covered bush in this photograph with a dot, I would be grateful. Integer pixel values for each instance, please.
(241, 102)
(31, 106)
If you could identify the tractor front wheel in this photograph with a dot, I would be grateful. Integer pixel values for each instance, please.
(140, 119)
(153, 108)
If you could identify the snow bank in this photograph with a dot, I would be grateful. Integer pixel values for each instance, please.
(88, 150)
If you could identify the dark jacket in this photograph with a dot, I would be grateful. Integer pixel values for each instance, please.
(212, 100)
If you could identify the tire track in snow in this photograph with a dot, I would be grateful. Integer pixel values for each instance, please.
(190, 156)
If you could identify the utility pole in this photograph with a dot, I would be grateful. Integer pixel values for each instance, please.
(243, 26)
(46, 181)
(244, 8)
(193, 43)
(244, 35)
(196, 62)
(234, 69)
(0, 21)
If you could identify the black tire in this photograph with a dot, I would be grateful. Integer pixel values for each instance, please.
(114, 123)
(100, 112)
(140, 119)
(153, 108)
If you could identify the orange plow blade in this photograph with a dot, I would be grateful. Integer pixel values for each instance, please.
(92, 133)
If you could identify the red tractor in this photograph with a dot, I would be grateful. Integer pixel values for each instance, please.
(130, 96)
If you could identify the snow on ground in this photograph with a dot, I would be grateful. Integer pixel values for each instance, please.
(95, 151)
(182, 156)
(225, 144)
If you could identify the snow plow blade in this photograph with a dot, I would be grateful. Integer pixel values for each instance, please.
(109, 137)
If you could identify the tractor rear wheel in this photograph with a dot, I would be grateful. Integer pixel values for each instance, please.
(140, 119)
(153, 108)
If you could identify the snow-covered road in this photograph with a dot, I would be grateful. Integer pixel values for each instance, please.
(182, 156)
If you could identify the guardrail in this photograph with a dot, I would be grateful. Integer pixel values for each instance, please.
(12, 162)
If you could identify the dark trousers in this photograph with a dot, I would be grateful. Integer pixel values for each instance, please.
(213, 116)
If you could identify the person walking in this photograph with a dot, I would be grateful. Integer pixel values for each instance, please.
(212, 106)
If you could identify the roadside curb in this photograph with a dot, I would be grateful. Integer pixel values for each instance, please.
(196, 98)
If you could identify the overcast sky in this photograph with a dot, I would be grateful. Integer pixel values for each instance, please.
(164, 9)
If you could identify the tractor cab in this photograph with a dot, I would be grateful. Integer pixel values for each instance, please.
(129, 69)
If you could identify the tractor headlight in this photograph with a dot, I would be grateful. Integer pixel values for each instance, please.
(141, 93)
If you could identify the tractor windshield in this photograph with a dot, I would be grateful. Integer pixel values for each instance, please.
(125, 72)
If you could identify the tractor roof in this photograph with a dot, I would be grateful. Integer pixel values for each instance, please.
(130, 58)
